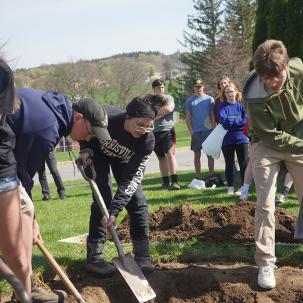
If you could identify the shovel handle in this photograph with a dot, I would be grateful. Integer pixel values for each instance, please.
(7, 274)
(60, 272)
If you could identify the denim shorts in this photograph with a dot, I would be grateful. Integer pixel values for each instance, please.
(8, 183)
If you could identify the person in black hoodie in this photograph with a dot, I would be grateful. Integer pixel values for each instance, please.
(42, 119)
(11, 241)
(126, 155)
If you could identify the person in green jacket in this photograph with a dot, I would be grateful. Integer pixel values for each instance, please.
(273, 96)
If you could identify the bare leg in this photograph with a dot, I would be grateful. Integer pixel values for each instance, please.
(11, 240)
(288, 180)
(163, 167)
(211, 164)
(197, 163)
(171, 162)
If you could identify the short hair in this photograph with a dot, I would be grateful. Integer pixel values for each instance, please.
(233, 85)
(222, 78)
(157, 82)
(271, 58)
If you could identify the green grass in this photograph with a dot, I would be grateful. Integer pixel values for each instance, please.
(183, 140)
(62, 219)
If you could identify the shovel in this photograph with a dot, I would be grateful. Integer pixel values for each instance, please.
(126, 265)
(60, 272)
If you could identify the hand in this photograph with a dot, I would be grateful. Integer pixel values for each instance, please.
(85, 157)
(111, 221)
(36, 232)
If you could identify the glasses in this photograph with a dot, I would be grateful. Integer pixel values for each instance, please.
(142, 127)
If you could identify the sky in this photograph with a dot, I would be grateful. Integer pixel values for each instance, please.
(40, 32)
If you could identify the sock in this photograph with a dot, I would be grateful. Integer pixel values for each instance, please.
(285, 191)
(245, 187)
(165, 180)
(174, 178)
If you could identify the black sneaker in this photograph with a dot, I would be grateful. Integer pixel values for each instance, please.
(175, 186)
(62, 196)
(46, 198)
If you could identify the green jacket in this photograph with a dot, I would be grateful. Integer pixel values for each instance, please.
(277, 118)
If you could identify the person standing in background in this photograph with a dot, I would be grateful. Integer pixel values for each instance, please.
(51, 162)
(200, 122)
(165, 139)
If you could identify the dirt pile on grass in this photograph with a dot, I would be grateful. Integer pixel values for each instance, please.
(224, 224)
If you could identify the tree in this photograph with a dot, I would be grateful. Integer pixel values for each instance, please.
(205, 28)
(242, 14)
(260, 35)
(294, 28)
(276, 21)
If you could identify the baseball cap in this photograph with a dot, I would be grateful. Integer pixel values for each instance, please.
(95, 113)
(197, 82)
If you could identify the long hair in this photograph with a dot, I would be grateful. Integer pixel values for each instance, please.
(232, 85)
(8, 98)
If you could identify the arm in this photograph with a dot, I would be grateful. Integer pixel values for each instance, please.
(131, 179)
(166, 109)
(187, 119)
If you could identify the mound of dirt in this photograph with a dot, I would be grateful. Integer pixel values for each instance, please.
(224, 224)
(194, 283)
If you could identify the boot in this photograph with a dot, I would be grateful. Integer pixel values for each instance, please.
(44, 294)
(142, 257)
(95, 262)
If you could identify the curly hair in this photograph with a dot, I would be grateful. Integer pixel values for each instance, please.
(231, 85)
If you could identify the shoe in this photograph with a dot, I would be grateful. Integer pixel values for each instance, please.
(175, 186)
(142, 257)
(45, 295)
(46, 198)
(165, 186)
(266, 276)
(230, 190)
(62, 196)
(101, 268)
(282, 198)
(239, 191)
(243, 196)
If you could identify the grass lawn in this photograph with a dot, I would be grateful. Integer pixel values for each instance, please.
(62, 219)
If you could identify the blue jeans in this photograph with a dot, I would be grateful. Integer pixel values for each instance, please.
(8, 183)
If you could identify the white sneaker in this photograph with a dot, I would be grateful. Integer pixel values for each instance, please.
(230, 190)
(239, 191)
(266, 276)
(282, 198)
(243, 196)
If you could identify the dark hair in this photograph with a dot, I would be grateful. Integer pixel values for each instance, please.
(271, 58)
(8, 100)
(145, 106)
(157, 82)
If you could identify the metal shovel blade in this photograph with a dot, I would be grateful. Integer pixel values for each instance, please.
(134, 277)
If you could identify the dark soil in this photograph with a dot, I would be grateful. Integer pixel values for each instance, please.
(194, 283)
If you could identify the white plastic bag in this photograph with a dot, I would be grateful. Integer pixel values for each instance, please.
(213, 143)
(196, 184)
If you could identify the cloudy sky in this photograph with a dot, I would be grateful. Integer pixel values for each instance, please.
(54, 31)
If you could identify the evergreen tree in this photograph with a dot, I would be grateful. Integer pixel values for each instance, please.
(260, 35)
(294, 28)
(205, 28)
(276, 22)
(242, 14)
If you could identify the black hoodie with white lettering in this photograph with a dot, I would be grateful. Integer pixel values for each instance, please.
(123, 146)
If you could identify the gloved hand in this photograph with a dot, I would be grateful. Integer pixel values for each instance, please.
(85, 157)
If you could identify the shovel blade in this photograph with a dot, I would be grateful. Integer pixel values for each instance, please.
(134, 277)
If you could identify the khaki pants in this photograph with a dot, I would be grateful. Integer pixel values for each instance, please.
(266, 165)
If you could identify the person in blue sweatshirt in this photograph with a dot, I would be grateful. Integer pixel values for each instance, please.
(233, 118)
(42, 119)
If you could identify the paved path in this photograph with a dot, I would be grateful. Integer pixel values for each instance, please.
(185, 159)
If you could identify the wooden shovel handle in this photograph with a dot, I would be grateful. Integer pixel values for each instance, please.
(60, 272)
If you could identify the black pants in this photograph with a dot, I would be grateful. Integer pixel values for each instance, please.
(229, 156)
(136, 208)
(52, 165)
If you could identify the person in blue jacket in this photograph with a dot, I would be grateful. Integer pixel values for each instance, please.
(233, 118)
(42, 119)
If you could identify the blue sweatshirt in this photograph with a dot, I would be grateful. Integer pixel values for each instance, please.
(233, 118)
(43, 118)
